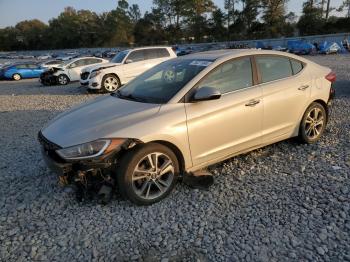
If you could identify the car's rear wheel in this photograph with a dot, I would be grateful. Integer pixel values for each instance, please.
(147, 174)
(110, 83)
(16, 77)
(63, 80)
(313, 123)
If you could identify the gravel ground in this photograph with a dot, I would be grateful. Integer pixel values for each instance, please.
(283, 202)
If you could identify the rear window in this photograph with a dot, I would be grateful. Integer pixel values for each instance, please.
(297, 66)
(274, 68)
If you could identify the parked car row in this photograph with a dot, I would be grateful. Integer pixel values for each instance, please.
(183, 115)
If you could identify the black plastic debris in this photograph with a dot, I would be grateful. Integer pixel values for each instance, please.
(199, 180)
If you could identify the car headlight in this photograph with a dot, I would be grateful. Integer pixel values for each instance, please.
(91, 149)
(94, 74)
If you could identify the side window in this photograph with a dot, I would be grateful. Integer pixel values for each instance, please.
(155, 53)
(32, 66)
(297, 66)
(93, 61)
(230, 76)
(22, 67)
(273, 67)
(77, 63)
(151, 54)
(136, 56)
(163, 52)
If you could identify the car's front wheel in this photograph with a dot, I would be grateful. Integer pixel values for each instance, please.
(110, 83)
(313, 123)
(147, 173)
(63, 80)
(16, 77)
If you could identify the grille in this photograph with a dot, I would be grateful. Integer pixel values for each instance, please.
(84, 76)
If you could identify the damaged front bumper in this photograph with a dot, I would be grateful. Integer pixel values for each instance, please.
(87, 175)
(48, 78)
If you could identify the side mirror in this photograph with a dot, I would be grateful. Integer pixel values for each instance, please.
(128, 61)
(205, 94)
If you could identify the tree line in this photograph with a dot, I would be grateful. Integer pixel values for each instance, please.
(176, 21)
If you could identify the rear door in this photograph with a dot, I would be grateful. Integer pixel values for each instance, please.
(286, 90)
(24, 71)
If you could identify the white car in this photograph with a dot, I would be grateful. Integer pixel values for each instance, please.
(124, 67)
(70, 70)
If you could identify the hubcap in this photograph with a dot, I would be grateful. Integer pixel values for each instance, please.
(153, 175)
(16, 77)
(111, 84)
(314, 123)
(62, 80)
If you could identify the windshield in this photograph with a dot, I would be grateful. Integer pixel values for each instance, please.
(120, 57)
(159, 84)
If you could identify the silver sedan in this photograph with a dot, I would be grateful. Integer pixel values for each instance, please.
(186, 114)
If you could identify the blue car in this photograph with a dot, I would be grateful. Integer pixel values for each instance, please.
(19, 71)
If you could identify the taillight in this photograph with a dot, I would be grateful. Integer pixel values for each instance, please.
(331, 77)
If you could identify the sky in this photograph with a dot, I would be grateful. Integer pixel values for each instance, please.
(14, 11)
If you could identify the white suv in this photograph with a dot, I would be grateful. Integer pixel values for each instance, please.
(124, 67)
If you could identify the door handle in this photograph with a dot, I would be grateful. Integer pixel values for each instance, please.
(253, 103)
(303, 88)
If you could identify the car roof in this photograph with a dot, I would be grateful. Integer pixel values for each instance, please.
(147, 47)
(227, 53)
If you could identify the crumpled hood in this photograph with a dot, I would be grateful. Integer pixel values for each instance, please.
(96, 119)
(98, 66)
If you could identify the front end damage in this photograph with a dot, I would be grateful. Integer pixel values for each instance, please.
(89, 177)
(49, 78)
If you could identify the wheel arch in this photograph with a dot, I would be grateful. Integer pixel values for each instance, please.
(175, 150)
(324, 104)
(113, 74)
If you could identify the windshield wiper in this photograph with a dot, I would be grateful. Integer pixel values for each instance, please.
(128, 96)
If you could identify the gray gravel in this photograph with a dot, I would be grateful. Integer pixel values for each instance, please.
(283, 202)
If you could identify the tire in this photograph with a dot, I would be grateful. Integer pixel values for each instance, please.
(313, 124)
(63, 80)
(110, 83)
(16, 77)
(147, 186)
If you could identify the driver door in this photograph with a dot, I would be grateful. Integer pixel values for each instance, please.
(134, 65)
(75, 68)
(220, 128)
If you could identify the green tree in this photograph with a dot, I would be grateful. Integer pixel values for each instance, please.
(217, 25)
(134, 13)
(311, 21)
(274, 16)
(32, 34)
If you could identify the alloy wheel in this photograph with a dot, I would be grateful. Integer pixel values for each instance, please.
(153, 175)
(314, 123)
(62, 80)
(111, 84)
